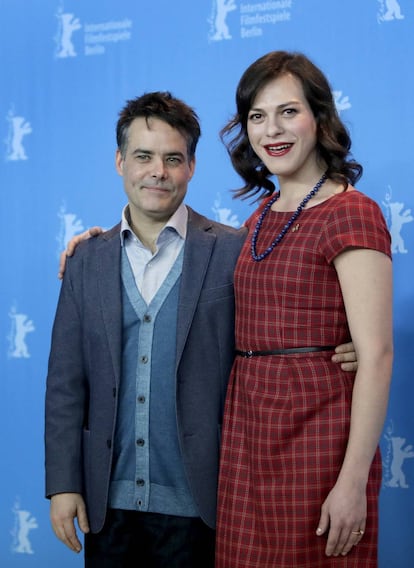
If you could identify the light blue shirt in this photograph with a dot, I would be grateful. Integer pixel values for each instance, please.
(150, 270)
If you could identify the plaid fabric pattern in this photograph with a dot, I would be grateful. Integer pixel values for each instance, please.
(287, 417)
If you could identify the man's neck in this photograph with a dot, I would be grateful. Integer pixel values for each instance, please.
(146, 229)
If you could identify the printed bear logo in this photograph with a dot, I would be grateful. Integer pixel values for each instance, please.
(18, 129)
(21, 326)
(341, 102)
(396, 218)
(397, 451)
(224, 215)
(219, 27)
(389, 10)
(24, 523)
(67, 24)
(70, 225)
(399, 454)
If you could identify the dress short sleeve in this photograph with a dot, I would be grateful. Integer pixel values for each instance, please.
(355, 220)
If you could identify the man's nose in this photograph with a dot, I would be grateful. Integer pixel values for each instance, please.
(159, 170)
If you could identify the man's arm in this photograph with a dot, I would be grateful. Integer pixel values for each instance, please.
(65, 408)
(73, 243)
(64, 508)
(345, 354)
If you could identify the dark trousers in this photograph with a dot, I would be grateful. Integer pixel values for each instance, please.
(131, 539)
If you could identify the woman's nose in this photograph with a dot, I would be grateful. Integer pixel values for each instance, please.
(273, 126)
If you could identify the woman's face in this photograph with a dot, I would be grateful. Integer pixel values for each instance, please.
(282, 129)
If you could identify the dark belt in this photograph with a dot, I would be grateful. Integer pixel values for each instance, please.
(249, 354)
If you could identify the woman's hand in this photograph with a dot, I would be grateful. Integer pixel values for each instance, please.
(72, 244)
(343, 518)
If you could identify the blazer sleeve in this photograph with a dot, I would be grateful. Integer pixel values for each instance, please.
(66, 390)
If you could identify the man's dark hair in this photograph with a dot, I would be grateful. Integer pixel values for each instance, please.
(163, 106)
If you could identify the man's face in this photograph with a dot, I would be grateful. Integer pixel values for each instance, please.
(156, 170)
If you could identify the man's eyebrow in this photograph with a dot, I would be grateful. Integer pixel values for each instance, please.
(141, 151)
(151, 153)
(176, 153)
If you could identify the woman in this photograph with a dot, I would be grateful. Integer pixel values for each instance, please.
(300, 465)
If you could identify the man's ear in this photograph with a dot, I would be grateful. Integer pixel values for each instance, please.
(192, 167)
(119, 162)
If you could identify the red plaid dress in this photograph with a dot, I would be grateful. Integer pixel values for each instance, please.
(287, 417)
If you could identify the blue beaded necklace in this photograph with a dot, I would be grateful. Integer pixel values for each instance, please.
(264, 254)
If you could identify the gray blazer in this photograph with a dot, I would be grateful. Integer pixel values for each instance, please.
(85, 364)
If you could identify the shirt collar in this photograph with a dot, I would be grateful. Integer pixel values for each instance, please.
(177, 222)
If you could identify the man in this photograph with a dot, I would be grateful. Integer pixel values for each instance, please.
(142, 347)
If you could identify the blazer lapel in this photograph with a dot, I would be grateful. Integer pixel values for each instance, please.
(108, 256)
(199, 245)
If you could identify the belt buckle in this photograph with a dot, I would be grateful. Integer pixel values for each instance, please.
(249, 354)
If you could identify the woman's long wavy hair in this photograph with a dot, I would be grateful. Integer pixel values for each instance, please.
(333, 140)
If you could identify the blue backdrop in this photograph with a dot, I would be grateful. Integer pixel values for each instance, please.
(67, 68)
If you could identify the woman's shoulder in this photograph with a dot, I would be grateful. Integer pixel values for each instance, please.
(353, 195)
(352, 199)
(354, 220)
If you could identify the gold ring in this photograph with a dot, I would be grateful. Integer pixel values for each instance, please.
(360, 532)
